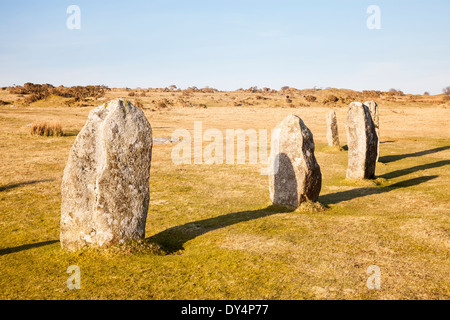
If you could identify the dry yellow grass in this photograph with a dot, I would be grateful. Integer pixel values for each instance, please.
(46, 130)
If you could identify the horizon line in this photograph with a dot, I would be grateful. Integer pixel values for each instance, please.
(176, 88)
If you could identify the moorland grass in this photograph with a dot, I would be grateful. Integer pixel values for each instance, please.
(211, 231)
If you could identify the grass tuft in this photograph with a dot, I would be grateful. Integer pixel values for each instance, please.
(310, 207)
(47, 130)
(138, 247)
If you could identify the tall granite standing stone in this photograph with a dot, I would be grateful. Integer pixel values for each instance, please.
(373, 108)
(105, 187)
(362, 142)
(295, 174)
(332, 129)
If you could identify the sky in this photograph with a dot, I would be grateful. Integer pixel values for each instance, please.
(228, 44)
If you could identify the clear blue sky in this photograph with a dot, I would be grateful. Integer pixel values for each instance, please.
(228, 44)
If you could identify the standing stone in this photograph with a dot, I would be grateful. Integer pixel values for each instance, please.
(373, 108)
(362, 142)
(332, 129)
(105, 187)
(295, 174)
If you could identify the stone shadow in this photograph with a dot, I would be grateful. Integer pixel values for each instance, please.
(337, 197)
(173, 239)
(387, 159)
(16, 185)
(71, 133)
(402, 172)
(26, 247)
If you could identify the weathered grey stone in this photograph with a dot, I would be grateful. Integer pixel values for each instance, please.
(295, 174)
(373, 108)
(362, 142)
(332, 129)
(105, 187)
